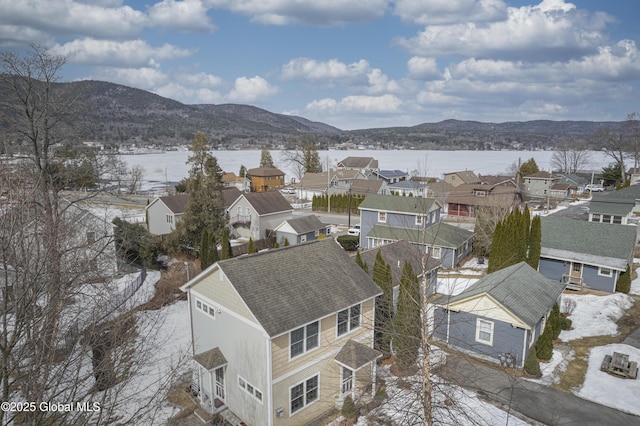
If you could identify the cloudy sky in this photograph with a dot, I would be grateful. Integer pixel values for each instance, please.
(353, 63)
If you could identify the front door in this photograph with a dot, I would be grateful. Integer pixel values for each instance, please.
(220, 384)
(576, 272)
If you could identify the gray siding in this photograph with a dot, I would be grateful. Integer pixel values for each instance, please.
(158, 224)
(462, 334)
(554, 269)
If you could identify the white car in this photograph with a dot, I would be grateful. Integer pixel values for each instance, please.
(354, 230)
(594, 187)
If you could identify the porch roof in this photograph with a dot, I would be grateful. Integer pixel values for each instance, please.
(213, 358)
(355, 355)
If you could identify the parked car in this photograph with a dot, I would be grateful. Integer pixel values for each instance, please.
(594, 187)
(354, 230)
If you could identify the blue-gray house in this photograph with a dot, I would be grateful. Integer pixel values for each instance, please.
(301, 230)
(388, 218)
(585, 254)
(499, 317)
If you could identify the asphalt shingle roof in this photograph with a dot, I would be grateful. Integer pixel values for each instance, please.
(592, 242)
(305, 224)
(292, 286)
(356, 355)
(440, 235)
(397, 203)
(210, 359)
(521, 289)
(395, 254)
(264, 172)
(176, 203)
(268, 202)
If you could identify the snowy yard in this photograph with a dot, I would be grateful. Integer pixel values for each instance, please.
(595, 315)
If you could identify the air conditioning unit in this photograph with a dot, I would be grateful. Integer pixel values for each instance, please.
(279, 412)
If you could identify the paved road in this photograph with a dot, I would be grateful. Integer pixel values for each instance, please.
(535, 401)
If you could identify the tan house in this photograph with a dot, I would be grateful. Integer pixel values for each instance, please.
(264, 179)
(466, 201)
(275, 344)
(460, 178)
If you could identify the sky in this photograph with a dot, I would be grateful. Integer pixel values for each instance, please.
(352, 64)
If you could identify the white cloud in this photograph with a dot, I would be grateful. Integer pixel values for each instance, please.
(439, 12)
(143, 78)
(359, 104)
(423, 68)
(13, 36)
(133, 53)
(310, 69)
(323, 13)
(251, 89)
(552, 30)
(380, 84)
(187, 15)
(201, 80)
(71, 17)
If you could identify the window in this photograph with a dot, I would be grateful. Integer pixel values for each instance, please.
(436, 252)
(419, 220)
(347, 380)
(348, 319)
(304, 394)
(169, 218)
(248, 211)
(605, 272)
(606, 218)
(382, 217)
(484, 331)
(577, 267)
(304, 339)
(250, 389)
(207, 309)
(617, 219)
(239, 210)
(595, 218)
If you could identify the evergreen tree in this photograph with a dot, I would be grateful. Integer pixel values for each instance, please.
(311, 159)
(531, 364)
(206, 250)
(252, 247)
(528, 167)
(384, 303)
(623, 285)
(225, 245)
(205, 209)
(286, 242)
(360, 263)
(544, 345)
(243, 171)
(265, 158)
(535, 243)
(407, 324)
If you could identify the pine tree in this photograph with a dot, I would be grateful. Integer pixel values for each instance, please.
(535, 243)
(531, 364)
(554, 322)
(265, 158)
(623, 285)
(407, 324)
(384, 304)
(286, 243)
(251, 248)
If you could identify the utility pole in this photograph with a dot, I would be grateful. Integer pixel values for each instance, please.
(328, 184)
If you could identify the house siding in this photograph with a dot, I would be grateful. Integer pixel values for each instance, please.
(462, 334)
(329, 344)
(223, 293)
(157, 216)
(246, 357)
(369, 219)
(554, 269)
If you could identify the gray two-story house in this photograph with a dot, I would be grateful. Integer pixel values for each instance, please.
(388, 218)
(256, 214)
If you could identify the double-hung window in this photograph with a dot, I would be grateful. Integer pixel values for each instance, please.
(484, 331)
(382, 217)
(349, 319)
(304, 339)
(304, 394)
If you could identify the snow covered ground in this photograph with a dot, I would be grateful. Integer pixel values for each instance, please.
(595, 315)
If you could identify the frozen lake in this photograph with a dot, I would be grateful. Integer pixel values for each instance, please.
(171, 166)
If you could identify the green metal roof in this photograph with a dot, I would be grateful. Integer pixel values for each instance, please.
(397, 203)
(441, 235)
(588, 238)
(519, 288)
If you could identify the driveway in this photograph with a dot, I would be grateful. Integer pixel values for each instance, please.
(535, 401)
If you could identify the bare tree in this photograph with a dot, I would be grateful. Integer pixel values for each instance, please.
(631, 129)
(68, 336)
(616, 145)
(570, 157)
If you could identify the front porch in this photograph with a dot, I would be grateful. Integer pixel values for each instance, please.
(573, 282)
